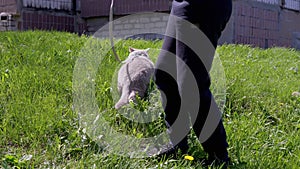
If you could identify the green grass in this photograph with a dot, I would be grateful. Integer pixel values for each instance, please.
(39, 129)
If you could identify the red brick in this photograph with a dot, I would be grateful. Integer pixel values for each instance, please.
(24, 25)
(257, 42)
(276, 42)
(43, 18)
(272, 25)
(252, 20)
(256, 32)
(251, 11)
(58, 20)
(239, 20)
(260, 13)
(251, 41)
(246, 40)
(257, 13)
(243, 10)
(24, 16)
(270, 43)
(247, 21)
(34, 25)
(240, 39)
(267, 33)
(251, 32)
(266, 24)
(275, 16)
(40, 19)
(241, 30)
(63, 20)
(261, 43)
(248, 11)
(271, 15)
(236, 37)
(246, 31)
(255, 22)
(34, 17)
(51, 19)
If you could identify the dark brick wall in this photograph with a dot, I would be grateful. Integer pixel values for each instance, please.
(256, 25)
(289, 25)
(265, 25)
(47, 21)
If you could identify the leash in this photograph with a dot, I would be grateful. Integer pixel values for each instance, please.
(111, 36)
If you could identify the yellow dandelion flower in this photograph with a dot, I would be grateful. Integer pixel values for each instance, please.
(191, 158)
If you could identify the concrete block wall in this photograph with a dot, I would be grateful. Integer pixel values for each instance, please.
(148, 26)
(147, 23)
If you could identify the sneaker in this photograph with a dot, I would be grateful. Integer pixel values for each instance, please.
(169, 151)
(220, 159)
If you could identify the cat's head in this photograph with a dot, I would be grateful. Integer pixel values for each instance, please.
(138, 53)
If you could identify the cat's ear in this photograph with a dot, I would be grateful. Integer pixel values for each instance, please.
(131, 49)
(147, 50)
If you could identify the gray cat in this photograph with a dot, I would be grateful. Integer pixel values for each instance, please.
(134, 76)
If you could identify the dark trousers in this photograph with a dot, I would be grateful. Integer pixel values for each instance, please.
(182, 75)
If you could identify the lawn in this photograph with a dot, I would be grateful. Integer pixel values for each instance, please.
(40, 127)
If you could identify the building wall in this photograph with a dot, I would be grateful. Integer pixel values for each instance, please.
(95, 12)
(262, 23)
(256, 23)
(289, 28)
(100, 8)
(47, 21)
(61, 15)
(143, 25)
(49, 4)
(8, 6)
(9, 10)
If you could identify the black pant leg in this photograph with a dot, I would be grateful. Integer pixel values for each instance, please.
(212, 25)
(165, 78)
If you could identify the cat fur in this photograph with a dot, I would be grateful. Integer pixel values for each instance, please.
(134, 76)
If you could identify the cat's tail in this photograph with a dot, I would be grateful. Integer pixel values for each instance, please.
(124, 98)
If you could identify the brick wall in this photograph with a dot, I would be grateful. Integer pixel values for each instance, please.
(262, 23)
(255, 24)
(60, 15)
(289, 26)
(47, 21)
